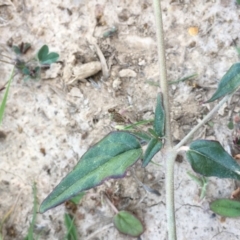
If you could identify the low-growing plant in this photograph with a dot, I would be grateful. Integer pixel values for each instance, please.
(119, 150)
(30, 69)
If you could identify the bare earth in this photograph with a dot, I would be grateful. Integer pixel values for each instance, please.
(50, 123)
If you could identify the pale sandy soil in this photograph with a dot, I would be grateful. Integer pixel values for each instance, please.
(50, 123)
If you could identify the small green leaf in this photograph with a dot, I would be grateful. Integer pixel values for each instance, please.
(45, 57)
(230, 125)
(210, 159)
(153, 133)
(77, 198)
(201, 181)
(142, 136)
(139, 123)
(108, 158)
(16, 49)
(159, 118)
(128, 224)
(226, 208)
(26, 71)
(229, 83)
(30, 235)
(153, 147)
(4, 101)
(71, 228)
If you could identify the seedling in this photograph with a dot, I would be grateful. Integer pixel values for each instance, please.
(202, 182)
(4, 101)
(31, 69)
(30, 235)
(115, 153)
(71, 228)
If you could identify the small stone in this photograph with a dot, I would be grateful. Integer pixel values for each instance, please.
(75, 92)
(85, 70)
(116, 84)
(127, 73)
(142, 62)
(193, 31)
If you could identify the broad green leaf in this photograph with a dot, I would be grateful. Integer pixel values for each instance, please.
(226, 208)
(128, 224)
(229, 83)
(45, 57)
(108, 158)
(71, 228)
(159, 118)
(210, 159)
(77, 198)
(153, 147)
(4, 101)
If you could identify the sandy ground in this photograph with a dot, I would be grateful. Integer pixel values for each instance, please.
(50, 123)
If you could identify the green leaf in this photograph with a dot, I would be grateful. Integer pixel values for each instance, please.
(128, 224)
(26, 71)
(142, 136)
(45, 57)
(210, 159)
(71, 228)
(201, 181)
(153, 133)
(153, 147)
(4, 101)
(34, 217)
(229, 83)
(108, 158)
(189, 77)
(77, 198)
(231, 125)
(226, 208)
(16, 49)
(159, 119)
(139, 123)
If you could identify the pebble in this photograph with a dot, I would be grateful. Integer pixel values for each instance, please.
(75, 92)
(193, 31)
(116, 84)
(142, 62)
(127, 73)
(86, 70)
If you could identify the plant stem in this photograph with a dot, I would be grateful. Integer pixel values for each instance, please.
(170, 154)
(162, 70)
(200, 124)
(170, 206)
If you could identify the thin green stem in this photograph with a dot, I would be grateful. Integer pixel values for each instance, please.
(200, 124)
(170, 206)
(162, 70)
(170, 154)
